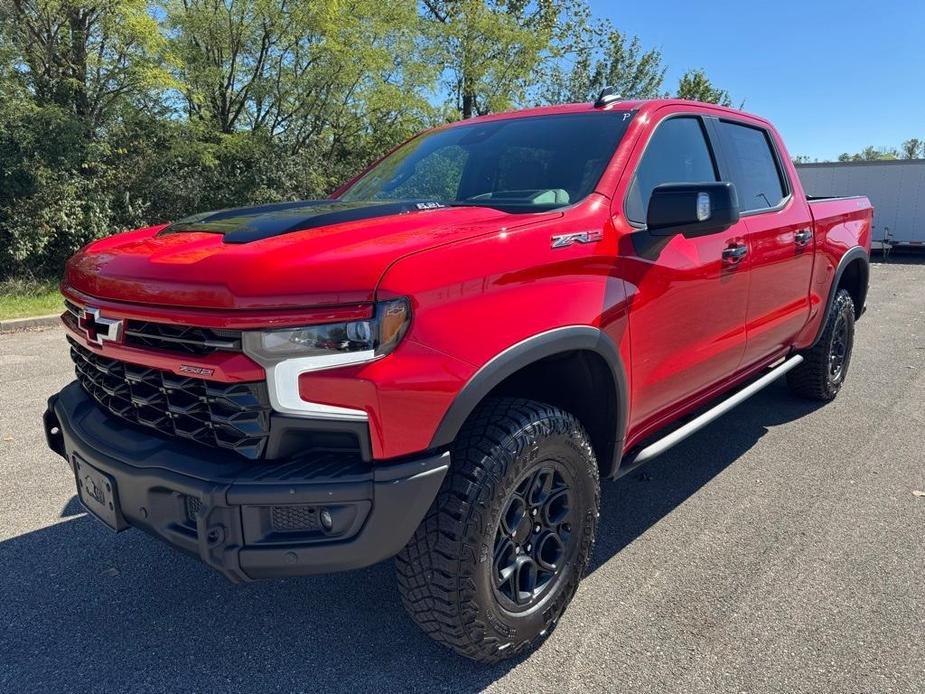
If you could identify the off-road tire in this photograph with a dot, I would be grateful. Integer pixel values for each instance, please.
(446, 573)
(816, 378)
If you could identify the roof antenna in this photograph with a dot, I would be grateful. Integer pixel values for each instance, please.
(607, 96)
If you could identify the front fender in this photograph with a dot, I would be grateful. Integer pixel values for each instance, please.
(533, 349)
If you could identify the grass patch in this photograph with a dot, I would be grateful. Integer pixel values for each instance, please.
(26, 298)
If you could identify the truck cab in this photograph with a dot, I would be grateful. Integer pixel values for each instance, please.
(443, 359)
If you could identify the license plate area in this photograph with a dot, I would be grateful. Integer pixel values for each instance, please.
(98, 494)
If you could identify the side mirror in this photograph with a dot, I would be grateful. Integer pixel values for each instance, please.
(692, 209)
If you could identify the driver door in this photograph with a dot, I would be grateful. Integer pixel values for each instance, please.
(689, 296)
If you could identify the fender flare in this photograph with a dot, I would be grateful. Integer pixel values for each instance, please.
(852, 254)
(526, 352)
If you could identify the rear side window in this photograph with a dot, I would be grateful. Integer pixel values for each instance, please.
(677, 153)
(755, 172)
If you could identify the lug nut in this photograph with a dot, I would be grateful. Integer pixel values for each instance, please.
(536, 528)
(533, 513)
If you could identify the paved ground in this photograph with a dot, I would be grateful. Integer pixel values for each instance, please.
(782, 549)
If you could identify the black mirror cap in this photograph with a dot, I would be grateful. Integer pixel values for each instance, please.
(673, 209)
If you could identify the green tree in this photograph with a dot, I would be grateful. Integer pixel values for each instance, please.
(871, 153)
(615, 60)
(488, 50)
(296, 69)
(88, 58)
(696, 86)
(911, 148)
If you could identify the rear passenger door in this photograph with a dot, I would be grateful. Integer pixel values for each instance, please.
(687, 316)
(779, 237)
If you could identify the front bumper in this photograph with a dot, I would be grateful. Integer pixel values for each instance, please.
(249, 520)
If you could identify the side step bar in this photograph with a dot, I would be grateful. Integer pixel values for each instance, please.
(681, 433)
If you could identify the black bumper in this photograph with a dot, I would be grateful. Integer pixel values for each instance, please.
(249, 520)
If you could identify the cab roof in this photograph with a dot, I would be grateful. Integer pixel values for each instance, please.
(588, 106)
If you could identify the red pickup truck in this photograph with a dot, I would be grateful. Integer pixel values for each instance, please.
(442, 360)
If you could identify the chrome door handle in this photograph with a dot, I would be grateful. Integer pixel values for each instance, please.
(802, 237)
(734, 254)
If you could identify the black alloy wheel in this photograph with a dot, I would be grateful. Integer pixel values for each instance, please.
(534, 538)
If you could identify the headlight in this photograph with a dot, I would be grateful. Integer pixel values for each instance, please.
(334, 344)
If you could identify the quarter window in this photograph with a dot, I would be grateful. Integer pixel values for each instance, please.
(677, 153)
(755, 172)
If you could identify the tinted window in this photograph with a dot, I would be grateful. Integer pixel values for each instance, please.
(677, 153)
(517, 164)
(754, 167)
(435, 175)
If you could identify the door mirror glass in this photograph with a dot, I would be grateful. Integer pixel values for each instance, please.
(692, 209)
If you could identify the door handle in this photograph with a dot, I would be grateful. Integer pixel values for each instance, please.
(734, 254)
(802, 237)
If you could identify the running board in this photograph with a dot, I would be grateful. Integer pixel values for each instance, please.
(681, 433)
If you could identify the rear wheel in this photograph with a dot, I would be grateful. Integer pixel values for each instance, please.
(501, 551)
(825, 366)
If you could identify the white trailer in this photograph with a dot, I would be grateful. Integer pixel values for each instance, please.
(895, 188)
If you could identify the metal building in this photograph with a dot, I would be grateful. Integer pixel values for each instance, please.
(895, 188)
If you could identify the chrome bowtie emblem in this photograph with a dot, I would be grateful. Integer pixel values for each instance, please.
(99, 329)
(566, 240)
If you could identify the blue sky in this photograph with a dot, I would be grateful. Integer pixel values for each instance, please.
(832, 76)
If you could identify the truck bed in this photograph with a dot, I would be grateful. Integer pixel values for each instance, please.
(855, 206)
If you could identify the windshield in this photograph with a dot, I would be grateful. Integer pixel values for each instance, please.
(518, 164)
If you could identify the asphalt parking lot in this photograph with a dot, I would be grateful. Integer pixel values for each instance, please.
(781, 549)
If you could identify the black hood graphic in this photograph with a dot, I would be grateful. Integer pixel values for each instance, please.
(246, 224)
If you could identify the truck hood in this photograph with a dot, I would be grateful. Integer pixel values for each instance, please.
(289, 255)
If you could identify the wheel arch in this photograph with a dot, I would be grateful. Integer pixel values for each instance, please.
(592, 380)
(852, 274)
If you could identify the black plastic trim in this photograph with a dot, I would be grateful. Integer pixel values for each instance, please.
(291, 435)
(533, 349)
(156, 477)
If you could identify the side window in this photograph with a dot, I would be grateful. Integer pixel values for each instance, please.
(755, 171)
(677, 153)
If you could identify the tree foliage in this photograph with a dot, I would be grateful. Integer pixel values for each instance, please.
(696, 86)
(120, 113)
(612, 59)
(85, 57)
(871, 153)
(913, 148)
(488, 50)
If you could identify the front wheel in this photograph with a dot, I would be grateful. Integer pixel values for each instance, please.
(825, 366)
(501, 551)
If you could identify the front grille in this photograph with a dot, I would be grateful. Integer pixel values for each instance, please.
(227, 415)
(181, 339)
(294, 518)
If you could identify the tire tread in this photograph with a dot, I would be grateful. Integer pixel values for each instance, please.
(435, 570)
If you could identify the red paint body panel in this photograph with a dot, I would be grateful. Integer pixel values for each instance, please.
(328, 266)
(838, 226)
(687, 325)
(215, 318)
